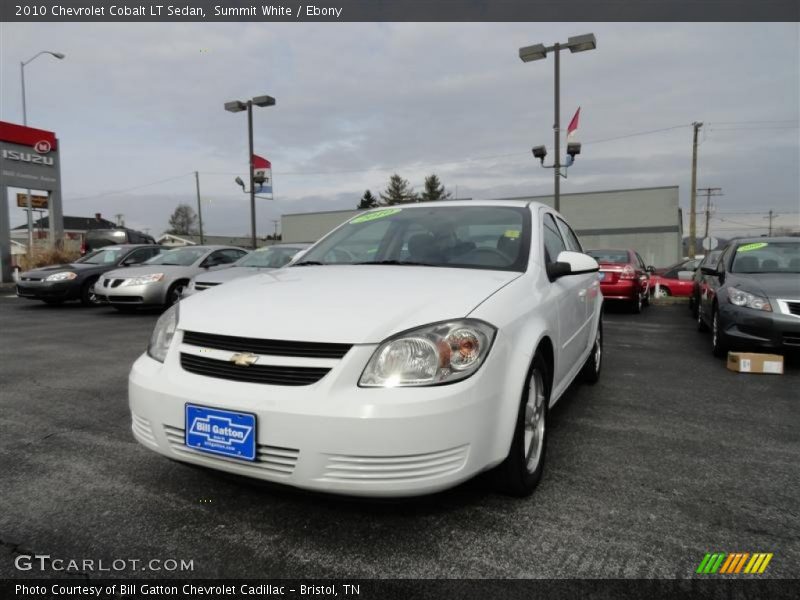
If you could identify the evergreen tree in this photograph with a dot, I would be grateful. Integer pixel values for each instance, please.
(398, 192)
(434, 189)
(367, 201)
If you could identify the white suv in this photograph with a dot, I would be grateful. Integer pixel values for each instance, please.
(408, 350)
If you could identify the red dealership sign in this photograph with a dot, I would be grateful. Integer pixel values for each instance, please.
(41, 140)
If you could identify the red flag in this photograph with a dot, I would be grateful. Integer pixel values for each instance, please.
(260, 162)
(573, 125)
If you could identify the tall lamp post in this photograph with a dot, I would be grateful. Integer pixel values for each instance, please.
(238, 106)
(28, 202)
(578, 43)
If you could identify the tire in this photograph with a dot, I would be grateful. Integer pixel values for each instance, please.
(87, 294)
(701, 325)
(637, 304)
(174, 292)
(719, 345)
(591, 369)
(663, 292)
(693, 305)
(519, 474)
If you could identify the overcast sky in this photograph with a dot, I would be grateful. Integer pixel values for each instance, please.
(138, 103)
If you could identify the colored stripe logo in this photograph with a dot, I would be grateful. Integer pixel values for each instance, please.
(734, 563)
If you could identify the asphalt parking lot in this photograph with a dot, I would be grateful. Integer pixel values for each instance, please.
(670, 456)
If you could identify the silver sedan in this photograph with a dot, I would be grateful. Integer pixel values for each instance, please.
(263, 259)
(161, 280)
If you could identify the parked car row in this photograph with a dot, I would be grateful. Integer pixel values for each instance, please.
(133, 276)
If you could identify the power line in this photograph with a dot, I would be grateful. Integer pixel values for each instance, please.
(130, 189)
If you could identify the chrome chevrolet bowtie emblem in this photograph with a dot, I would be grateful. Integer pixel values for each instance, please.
(243, 359)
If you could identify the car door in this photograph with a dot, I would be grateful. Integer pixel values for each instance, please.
(569, 293)
(590, 285)
(711, 283)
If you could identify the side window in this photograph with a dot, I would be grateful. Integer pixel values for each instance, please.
(232, 255)
(573, 244)
(553, 242)
(640, 261)
(138, 256)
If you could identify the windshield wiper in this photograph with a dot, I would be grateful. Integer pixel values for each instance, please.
(396, 262)
(307, 263)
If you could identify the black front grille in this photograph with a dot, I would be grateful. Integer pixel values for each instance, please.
(125, 299)
(272, 375)
(271, 347)
(794, 307)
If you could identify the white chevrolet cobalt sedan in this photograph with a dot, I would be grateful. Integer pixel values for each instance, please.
(408, 350)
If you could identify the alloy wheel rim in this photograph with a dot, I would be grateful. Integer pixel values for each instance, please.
(534, 421)
(714, 331)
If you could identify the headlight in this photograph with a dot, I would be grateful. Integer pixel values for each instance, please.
(62, 276)
(144, 279)
(163, 333)
(742, 298)
(439, 353)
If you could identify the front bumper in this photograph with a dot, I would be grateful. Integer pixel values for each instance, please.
(333, 436)
(48, 290)
(749, 328)
(151, 294)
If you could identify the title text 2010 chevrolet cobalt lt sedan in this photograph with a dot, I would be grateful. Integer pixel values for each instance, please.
(407, 351)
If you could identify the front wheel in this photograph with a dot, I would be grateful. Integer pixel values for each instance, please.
(662, 293)
(520, 472)
(175, 292)
(88, 297)
(719, 345)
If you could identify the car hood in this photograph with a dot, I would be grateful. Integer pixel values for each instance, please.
(50, 269)
(228, 274)
(773, 285)
(170, 271)
(356, 304)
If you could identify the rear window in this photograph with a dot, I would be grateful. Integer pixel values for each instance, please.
(615, 257)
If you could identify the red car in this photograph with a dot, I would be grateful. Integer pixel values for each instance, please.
(623, 276)
(665, 282)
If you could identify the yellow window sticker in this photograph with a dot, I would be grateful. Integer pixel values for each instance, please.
(511, 233)
(749, 247)
(378, 214)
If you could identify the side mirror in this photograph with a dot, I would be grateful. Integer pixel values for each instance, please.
(650, 269)
(571, 263)
(685, 275)
(709, 271)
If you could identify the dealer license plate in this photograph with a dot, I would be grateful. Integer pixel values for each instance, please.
(222, 432)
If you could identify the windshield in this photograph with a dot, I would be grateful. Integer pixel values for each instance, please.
(180, 257)
(106, 256)
(473, 237)
(272, 257)
(615, 257)
(767, 257)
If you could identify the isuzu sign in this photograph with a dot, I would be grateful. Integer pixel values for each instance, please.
(29, 160)
(30, 157)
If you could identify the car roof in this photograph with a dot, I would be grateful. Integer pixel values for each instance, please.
(474, 202)
(206, 247)
(753, 240)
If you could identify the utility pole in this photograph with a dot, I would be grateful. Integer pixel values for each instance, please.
(693, 208)
(275, 223)
(120, 219)
(199, 207)
(709, 191)
(771, 216)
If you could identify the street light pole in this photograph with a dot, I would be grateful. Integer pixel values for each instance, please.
(557, 130)
(29, 201)
(251, 174)
(579, 43)
(238, 106)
